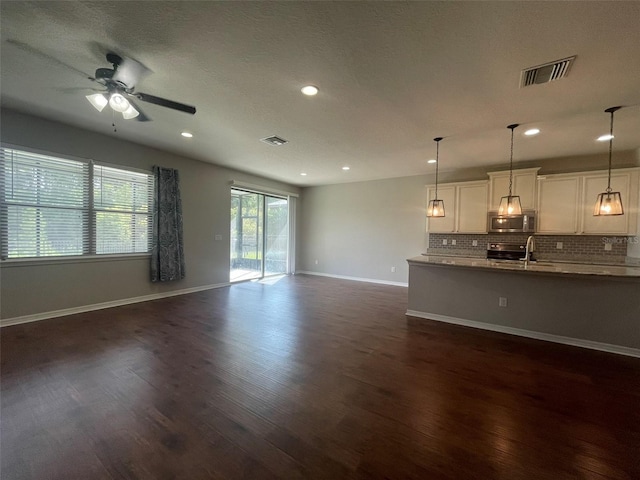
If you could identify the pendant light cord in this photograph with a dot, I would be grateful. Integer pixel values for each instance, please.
(437, 140)
(438, 164)
(610, 110)
(610, 152)
(512, 128)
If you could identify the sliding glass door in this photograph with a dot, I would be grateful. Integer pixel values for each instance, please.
(259, 235)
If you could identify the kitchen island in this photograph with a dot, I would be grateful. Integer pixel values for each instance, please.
(593, 306)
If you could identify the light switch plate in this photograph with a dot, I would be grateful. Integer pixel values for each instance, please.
(559, 245)
(444, 242)
(453, 242)
(607, 247)
(218, 237)
(474, 243)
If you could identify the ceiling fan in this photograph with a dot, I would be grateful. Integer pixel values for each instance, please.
(120, 82)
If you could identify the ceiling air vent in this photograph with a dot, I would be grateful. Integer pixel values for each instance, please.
(546, 73)
(274, 140)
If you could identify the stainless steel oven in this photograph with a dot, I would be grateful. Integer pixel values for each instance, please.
(506, 251)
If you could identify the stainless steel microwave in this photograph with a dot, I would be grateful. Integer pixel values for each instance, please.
(524, 223)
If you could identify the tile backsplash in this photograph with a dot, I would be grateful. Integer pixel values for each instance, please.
(582, 248)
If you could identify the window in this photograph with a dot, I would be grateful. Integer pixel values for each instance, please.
(54, 207)
(122, 203)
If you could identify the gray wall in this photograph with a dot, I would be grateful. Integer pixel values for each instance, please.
(363, 229)
(30, 289)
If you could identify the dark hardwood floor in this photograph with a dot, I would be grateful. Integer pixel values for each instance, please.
(307, 378)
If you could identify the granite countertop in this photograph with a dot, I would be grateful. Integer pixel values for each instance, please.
(561, 268)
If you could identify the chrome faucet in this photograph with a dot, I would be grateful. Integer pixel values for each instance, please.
(531, 245)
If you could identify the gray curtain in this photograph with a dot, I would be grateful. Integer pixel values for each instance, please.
(167, 254)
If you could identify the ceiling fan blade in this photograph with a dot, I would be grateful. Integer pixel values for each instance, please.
(34, 51)
(163, 102)
(130, 72)
(73, 90)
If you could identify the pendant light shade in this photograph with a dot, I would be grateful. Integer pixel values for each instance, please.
(609, 202)
(510, 205)
(436, 206)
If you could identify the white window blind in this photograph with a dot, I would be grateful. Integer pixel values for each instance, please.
(44, 205)
(53, 207)
(122, 204)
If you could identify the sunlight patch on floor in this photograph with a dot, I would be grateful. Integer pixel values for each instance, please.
(271, 280)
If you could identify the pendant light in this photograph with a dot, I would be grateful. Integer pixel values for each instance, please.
(436, 206)
(609, 202)
(510, 205)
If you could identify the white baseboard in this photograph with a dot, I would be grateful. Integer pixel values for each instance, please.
(5, 322)
(576, 342)
(355, 279)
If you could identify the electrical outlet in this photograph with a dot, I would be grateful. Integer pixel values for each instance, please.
(453, 242)
(559, 245)
(316, 261)
(474, 243)
(393, 269)
(217, 238)
(444, 241)
(502, 301)
(607, 247)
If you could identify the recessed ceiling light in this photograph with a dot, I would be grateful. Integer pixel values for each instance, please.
(605, 138)
(187, 134)
(433, 160)
(346, 168)
(303, 174)
(532, 131)
(310, 90)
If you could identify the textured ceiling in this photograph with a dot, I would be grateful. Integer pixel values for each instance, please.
(392, 76)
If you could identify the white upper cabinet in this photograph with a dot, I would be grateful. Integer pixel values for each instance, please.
(465, 205)
(566, 201)
(472, 207)
(446, 224)
(524, 185)
(558, 204)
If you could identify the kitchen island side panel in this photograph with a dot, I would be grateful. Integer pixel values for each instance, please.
(592, 308)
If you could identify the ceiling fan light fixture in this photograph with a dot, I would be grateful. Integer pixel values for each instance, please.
(119, 103)
(98, 100)
(130, 112)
